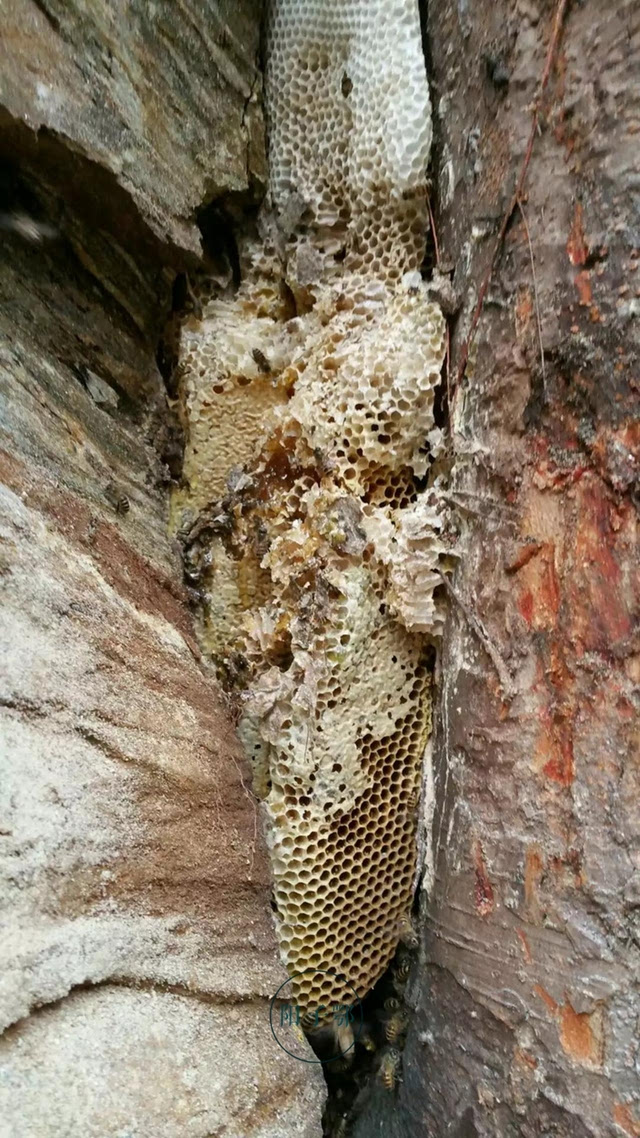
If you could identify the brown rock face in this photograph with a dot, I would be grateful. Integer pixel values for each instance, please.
(137, 942)
(161, 99)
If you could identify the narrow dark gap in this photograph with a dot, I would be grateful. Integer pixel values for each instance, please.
(45, 230)
(448, 301)
(217, 225)
(372, 1068)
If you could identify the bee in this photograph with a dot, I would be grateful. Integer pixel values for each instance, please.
(27, 227)
(196, 303)
(366, 1039)
(395, 1026)
(324, 463)
(261, 360)
(413, 799)
(313, 1020)
(180, 372)
(234, 668)
(343, 1035)
(401, 973)
(332, 1041)
(391, 1007)
(116, 498)
(389, 1069)
(406, 932)
(215, 519)
(309, 1020)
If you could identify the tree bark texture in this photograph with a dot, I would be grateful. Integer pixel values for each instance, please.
(526, 1005)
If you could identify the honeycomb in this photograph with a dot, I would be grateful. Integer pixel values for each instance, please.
(307, 395)
(350, 127)
(225, 376)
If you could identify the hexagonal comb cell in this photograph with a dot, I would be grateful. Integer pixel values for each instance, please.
(307, 397)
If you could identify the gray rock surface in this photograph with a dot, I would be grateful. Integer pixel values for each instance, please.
(164, 1065)
(162, 96)
(136, 934)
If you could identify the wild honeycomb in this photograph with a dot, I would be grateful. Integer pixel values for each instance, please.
(225, 378)
(350, 127)
(308, 401)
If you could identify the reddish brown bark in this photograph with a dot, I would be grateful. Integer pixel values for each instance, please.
(525, 1008)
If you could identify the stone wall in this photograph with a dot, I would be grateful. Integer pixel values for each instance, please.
(137, 941)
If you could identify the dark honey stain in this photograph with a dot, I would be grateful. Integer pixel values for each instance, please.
(577, 247)
(525, 604)
(484, 898)
(583, 288)
(560, 767)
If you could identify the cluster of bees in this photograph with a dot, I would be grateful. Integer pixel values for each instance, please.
(117, 498)
(374, 1063)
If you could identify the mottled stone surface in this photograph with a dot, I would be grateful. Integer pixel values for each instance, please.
(165, 1065)
(136, 932)
(161, 96)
